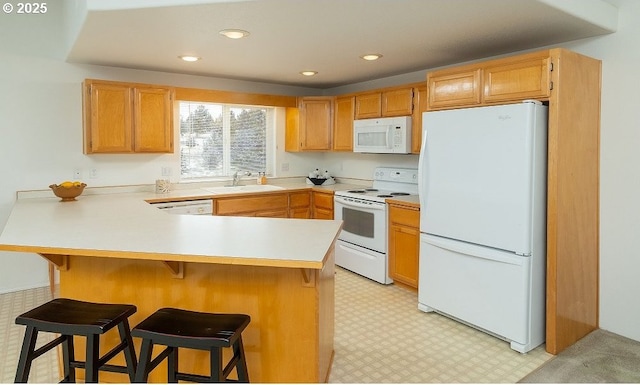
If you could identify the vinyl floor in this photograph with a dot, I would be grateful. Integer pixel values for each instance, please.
(381, 337)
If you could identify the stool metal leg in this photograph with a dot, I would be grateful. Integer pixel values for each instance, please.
(129, 350)
(26, 355)
(93, 355)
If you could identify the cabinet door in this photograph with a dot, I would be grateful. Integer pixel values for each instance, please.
(397, 102)
(404, 245)
(368, 105)
(454, 88)
(322, 205)
(153, 112)
(343, 126)
(300, 205)
(108, 119)
(316, 123)
(419, 106)
(513, 81)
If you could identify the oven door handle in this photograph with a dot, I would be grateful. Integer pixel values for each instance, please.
(375, 206)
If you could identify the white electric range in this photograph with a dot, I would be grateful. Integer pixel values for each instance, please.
(362, 243)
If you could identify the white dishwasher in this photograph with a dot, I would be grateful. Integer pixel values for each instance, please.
(195, 207)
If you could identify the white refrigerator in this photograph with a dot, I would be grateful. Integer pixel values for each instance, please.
(482, 186)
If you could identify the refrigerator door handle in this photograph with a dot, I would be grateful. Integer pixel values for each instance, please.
(475, 250)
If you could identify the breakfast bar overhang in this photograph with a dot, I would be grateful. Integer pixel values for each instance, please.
(117, 249)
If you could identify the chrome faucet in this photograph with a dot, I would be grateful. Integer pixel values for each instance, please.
(237, 177)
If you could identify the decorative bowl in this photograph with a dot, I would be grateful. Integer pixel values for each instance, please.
(68, 191)
(317, 181)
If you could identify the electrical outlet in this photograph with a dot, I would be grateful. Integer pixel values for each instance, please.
(77, 174)
(285, 167)
(166, 171)
(93, 174)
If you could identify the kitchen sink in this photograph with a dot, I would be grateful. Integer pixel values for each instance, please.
(242, 189)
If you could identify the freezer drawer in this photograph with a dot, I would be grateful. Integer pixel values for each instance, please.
(483, 287)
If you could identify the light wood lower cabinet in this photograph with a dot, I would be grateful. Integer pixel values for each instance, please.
(300, 205)
(262, 205)
(322, 205)
(404, 244)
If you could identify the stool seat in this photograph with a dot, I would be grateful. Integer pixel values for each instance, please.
(71, 318)
(178, 328)
(68, 316)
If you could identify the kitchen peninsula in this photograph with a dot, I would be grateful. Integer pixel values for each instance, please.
(117, 248)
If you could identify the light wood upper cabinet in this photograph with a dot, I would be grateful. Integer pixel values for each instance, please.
(404, 244)
(526, 79)
(127, 118)
(368, 105)
(504, 80)
(153, 120)
(309, 127)
(454, 88)
(343, 125)
(392, 102)
(420, 98)
(397, 102)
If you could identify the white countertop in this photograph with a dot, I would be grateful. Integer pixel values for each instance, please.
(123, 225)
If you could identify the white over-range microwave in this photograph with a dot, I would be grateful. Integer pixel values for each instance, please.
(382, 135)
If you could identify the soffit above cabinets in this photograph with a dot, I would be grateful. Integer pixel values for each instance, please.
(327, 36)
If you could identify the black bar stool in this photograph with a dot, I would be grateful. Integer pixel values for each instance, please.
(176, 328)
(70, 318)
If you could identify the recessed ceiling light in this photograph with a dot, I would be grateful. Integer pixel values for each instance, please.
(308, 73)
(234, 33)
(189, 58)
(371, 56)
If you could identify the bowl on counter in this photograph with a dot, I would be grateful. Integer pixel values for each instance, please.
(68, 191)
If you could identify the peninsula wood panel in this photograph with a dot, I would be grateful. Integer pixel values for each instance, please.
(270, 295)
(573, 200)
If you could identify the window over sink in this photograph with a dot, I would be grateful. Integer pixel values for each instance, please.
(216, 140)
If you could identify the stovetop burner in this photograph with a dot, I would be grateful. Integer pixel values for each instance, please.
(399, 193)
(385, 196)
(371, 189)
(357, 191)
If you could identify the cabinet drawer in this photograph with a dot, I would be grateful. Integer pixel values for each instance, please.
(404, 216)
(230, 206)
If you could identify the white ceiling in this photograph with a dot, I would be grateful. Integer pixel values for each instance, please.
(328, 36)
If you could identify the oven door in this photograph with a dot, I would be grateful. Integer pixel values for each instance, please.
(364, 222)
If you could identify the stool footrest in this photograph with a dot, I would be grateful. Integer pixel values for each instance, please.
(45, 348)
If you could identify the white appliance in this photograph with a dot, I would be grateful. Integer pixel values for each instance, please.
(483, 218)
(362, 243)
(195, 207)
(382, 135)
